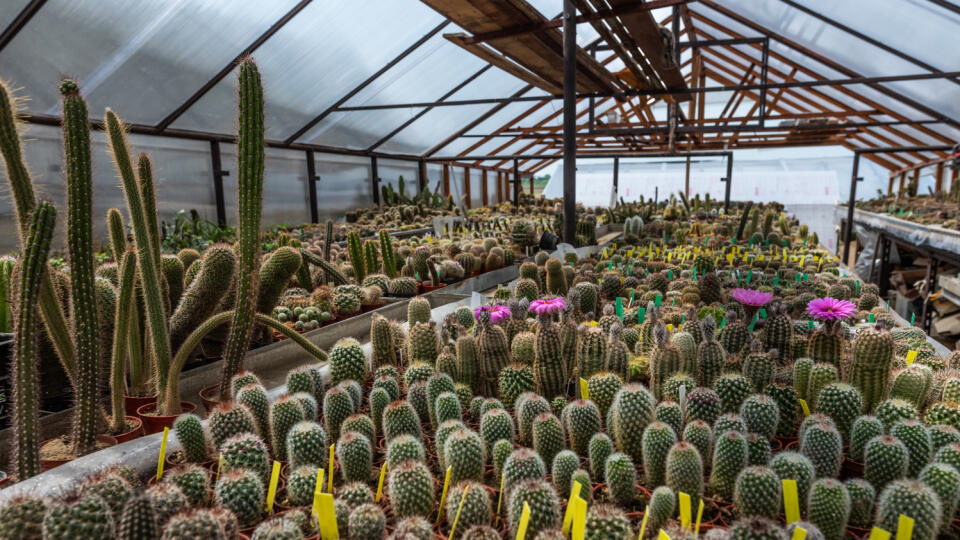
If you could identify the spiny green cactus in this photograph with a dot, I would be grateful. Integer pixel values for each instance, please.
(463, 454)
(599, 449)
(514, 380)
(912, 384)
(729, 458)
(795, 466)
(582, 420)
(658, 437)
(821, 375)
(631, 411)
(242, 491)
(285, 413)
(828, 507)
(522, 464)
(710, 353)
(138, 520)
(670, 413)
(757, 492)
(254, 398)
(250, 152)
(889, 411)
(307, 445)
(684, 470)
(355, 456)
(411, 490)
(90, 517)
(759, 367)
(22, 517)
(192, 438)
(197, 524)
(863, 429)
(916, 438)
(592, 352)
(885, 458)
(422, 343)
(301, 484)
(702, 404)
(565, 464)
(528, 406)
(732, 388)
(26, 391)
(861, 501)
(944, 479)
(337, 406)
(801, 377)
(760, 415)
(347, 361)
(275, 274)
(498, 455)
(941, 435)
(872, 360)
(606, 521)
(603, 387)
(79, 179)
(400, 417)
(227, 420)
(662, 507)
(822, 443)
(913, 499)
(699, 434)
(544, 506)
(827, 344)
(548, 436)
(476, 508)
(549, 368)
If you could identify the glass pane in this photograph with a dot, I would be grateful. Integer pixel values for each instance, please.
(344, 184)
(11, 9)
(142, 59)
(315, 59)
(357, 129)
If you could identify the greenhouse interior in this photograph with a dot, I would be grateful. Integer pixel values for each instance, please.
(479, 269)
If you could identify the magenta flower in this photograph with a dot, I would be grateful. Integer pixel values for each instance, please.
(497, 313)
(547, 306)
(751, 297)
(830, 309)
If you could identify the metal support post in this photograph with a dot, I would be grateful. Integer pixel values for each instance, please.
(312, 180)
(375, 180)
(516, 182)
(218, 174)
(848, 230)
(569, 121)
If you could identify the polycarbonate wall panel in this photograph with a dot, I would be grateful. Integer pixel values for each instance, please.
(391, 170)
(476, 188)
(182, 172)
(286, 196)
(317, 58)
(344, 184)
(142, 59)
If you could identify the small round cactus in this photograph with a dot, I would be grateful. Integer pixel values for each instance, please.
(192, 438)
(242, 492)
(757, 492)
(544, 506)
(404, 447)
(355, 456)
(463, 454)
(411, 489)
(621, 478)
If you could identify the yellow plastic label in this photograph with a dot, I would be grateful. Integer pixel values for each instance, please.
(670, 328)
(684, 509)
(799, 533)
(699, 517)
(663, 536)
(579, 519)
(584, 389)
(803, 405)
(463, 498)
(163, 452)
(443, 494)
(730, 258)
(274, 480)
(327, 518)
(791, 503)
(500, 496)
(911, 357)
(879, 534)
(904, 527)
(383, 473)
(317, 490)
(568, 514)
(524, 522)
(219, 466)
(643, 523)
(330, 472)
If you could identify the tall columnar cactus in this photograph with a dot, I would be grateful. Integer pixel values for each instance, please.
(778, 333)
(549, 371)
(26, 391)
(355, 252)
(199, 301)
(556, 283)
(120, 345)
(25, 201)
(151, 278)
(757, 492)
(493, 351)
(801, 377)
(592, 353)
(914, 499)
(250, 154)
(826, 344)
(710, 353)
(79, 178)
(665, 360)
(872, 359)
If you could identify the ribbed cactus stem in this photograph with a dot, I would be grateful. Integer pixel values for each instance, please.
(24, 199)
(149, 273)
(79, 178)
(355, 252)
(387, 254)
(26, 391)
(250, 155)
(121, 331)
(148, 194)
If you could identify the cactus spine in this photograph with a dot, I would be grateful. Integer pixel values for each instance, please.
(26, 391)
(548, 365)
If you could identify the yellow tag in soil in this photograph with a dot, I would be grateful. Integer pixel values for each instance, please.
(163, 452)
(578, 531)
(443, 495)
(568, 514)
(730, 258)
(911, 357)
(383, 473)
(699, 517)
(799, 533)
(330, 470)
(463, 498)
(803, 405)
(584, 390)
(317, 490)
(663, 535)
(791, 504)
(904, 527)
(878, 534)
(500, 497)
(524, 522)
(274, 480)
(327, 518)
(643, 523)
(219, 466)
(684, 509)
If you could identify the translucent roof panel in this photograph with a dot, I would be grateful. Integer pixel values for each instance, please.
(142, 62)
(11, 9)
(358, 129)
(443, 121)
(317, 58)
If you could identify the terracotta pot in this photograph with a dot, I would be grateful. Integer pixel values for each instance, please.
(133, 433)
(132, 403)
(154, 423)
(210, 397)
(47, 464)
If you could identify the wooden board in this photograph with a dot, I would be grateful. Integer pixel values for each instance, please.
(645, 31)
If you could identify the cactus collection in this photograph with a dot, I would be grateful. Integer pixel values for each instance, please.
(713, 356)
